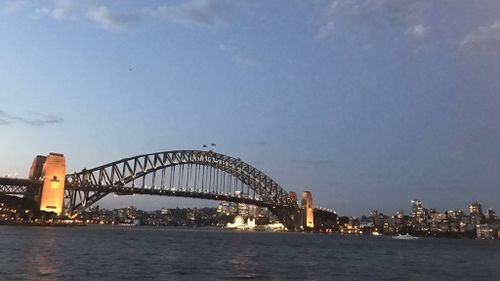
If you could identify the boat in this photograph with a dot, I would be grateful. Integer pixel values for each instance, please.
(405, 237)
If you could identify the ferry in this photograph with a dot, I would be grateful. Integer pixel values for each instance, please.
(405, 237)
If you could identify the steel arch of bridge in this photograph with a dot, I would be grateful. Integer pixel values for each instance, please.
(132, 175)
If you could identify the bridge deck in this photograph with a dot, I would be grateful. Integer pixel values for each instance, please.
(16, 185)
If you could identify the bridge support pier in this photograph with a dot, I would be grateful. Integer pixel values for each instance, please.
(52, 192)
(308, 211)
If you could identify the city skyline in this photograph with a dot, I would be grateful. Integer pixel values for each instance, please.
(366, 105)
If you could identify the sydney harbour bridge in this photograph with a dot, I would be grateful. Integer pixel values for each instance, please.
(182, 173)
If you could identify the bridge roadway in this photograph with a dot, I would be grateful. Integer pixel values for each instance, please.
(17, 186)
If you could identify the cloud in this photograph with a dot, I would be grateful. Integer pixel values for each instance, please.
(3, 118)
(75, 10)
(484, 39)
(43, 121)
(63, 9)
(35, 119)
(367, 16)
(194, 12)
(417, 31)
(108, 19)
(198, 12)
(326, 30)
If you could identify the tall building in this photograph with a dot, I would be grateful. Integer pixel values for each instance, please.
(417, 211)
(475, 208)
(242, 207)
(415, 206)
(476, 213)
(490, 214)
(377, 218)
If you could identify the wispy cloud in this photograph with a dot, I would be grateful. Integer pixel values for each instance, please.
(33, 119)
(418, 31)
(63, 9)
(106, 18)
(457, 25)
(483, 39)
(198, 12)
(101, 15)
(192, 12)
(361, 19)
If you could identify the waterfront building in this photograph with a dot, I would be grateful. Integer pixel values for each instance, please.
(484, 231)
(223, 208)
(241, 208)
(377, 218)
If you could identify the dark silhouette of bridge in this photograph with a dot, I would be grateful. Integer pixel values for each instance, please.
(183, 173)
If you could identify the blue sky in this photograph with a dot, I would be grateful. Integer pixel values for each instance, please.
(368, 104)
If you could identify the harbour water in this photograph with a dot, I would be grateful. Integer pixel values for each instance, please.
(148, 253)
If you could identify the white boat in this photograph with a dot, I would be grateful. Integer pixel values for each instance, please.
(405, 237)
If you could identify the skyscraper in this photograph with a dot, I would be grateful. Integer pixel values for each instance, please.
(417, 211)
(475, 208)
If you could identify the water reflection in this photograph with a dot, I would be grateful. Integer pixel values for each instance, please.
(41, 261)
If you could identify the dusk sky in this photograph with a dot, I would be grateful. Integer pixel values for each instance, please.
(368, 104)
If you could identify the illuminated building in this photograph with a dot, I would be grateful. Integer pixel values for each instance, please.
(455, 214)
(417, 211)
(476, 213)
(475, 208)
(377, 219)
(307, 206)
(242, 207)
(484, 231)
(400, 214)
(54, 172)
(223, 208)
